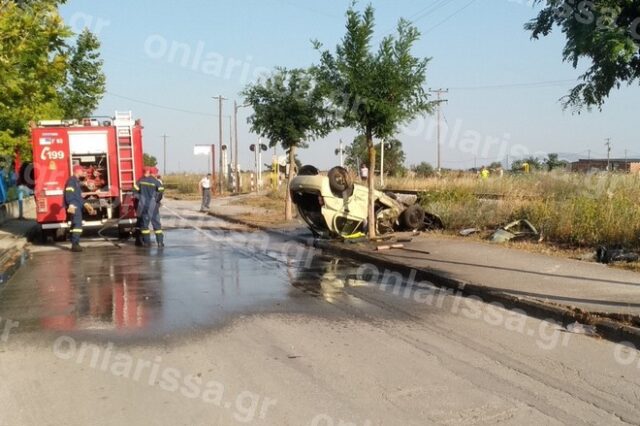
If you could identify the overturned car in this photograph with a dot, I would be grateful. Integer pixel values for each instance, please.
(334, 206)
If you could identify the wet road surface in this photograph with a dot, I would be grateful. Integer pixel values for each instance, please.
(230, 327)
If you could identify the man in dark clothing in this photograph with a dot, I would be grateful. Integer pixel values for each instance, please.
(73, 203)
(155, 217)
(148, 190)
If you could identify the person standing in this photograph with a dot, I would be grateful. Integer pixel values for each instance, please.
(485, 173)
(205, 189)
(364, 172)
(147, 189)
(155, 217)
(73, 204)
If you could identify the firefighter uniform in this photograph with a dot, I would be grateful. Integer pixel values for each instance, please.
(149, 192)
(155, 217)
(73, 197)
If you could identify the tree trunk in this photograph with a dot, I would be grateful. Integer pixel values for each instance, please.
(288, 207)
(371, 217)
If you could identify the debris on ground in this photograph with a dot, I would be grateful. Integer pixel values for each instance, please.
(469, 231)
(577, 328)
(611, 255)
(517, 230)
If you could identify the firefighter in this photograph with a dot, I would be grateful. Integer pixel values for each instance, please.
(148, 190)
(74, 203)
(155, 217)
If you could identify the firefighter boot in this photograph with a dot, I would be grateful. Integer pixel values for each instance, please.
(138, 238)
(146, 238)
(75, 247)
(160, 238)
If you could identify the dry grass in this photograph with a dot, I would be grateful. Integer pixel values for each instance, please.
(185, 186)
(569, 209)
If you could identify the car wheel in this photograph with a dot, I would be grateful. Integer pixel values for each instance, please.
(308, 170)
(433, 222)
(413, 217)
(340, 180)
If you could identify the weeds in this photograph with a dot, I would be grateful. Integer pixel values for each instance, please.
(579, 210)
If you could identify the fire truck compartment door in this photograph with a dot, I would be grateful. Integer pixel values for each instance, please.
(88, 142)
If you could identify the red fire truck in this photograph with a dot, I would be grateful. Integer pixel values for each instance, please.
(109, 150)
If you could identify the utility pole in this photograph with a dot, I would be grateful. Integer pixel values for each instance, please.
(340, 152)
(220, 99)
(439, 101)
(608, 145)
(164, 160)
(382, 163)
(236, 107)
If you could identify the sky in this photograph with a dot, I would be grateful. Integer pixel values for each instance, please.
(166, 60)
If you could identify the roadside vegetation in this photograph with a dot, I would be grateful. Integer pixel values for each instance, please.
(569, 209)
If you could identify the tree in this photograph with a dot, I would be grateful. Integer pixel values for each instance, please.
(374, 92)
(288, 109)
(607, 32)
(43, 75)
(423, 170)
(394, 156)
(86, 82)
(32, 66)
(149, 160)
(534, 164)
(553, 162)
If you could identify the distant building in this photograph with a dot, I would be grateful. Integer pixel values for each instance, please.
(629, 165)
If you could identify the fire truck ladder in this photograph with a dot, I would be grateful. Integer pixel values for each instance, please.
(126, 153)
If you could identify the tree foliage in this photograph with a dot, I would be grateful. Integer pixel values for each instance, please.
(394, 157)
(606, 32)
(553, 162)
(534, 164)
(289, 110)
(374, 92)
(86, 82)
(423, 170)
(149, 160)
(36, 62)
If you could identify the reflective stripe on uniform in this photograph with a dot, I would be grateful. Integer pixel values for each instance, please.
(146, 232)
(136, 187)
(70, 189)
(147, 184)
(159, 232)
(77, 231)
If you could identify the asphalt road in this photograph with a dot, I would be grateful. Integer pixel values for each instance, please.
(226, 327)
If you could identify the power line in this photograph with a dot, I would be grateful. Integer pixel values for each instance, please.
(450, 16)
(155, 105)
(533, 84)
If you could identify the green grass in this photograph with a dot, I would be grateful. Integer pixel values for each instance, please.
(578, 210)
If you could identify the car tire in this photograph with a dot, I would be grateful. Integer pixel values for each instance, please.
(340, 180)
(412, 218)
(26, 175)
(308, 170)
(433, 222)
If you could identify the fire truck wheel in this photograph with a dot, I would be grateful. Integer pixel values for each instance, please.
(124, 233)
(60, 235)
(43, 238)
